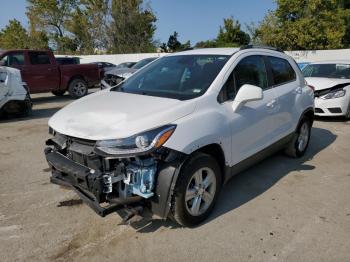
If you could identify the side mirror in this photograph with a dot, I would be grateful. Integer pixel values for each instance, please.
(246, 94)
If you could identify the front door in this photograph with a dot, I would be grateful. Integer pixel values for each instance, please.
(253, 124)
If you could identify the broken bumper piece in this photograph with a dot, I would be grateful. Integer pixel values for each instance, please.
(88, 183)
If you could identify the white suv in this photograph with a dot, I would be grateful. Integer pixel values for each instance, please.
(172, 134)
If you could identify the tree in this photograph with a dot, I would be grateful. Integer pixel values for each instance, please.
(174, 45)
(50, 16)
(97, 14)
(132, 27)
(13, 36)
(230, 35)
(80, 26)
(306, 24)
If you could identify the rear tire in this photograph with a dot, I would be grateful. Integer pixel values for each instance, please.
(300, 142)
(78, 88)
(196, 190)
(59, 92)
(27, 106)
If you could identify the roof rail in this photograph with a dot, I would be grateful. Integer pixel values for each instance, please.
(261, 47)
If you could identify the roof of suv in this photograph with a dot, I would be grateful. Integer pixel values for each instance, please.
(226, 51)
(209, 51)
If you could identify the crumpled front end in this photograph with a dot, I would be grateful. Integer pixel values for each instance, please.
(108, 183)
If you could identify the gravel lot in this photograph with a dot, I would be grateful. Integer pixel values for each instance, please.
(280, 210)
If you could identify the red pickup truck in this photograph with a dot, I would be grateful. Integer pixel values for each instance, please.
(41, 72)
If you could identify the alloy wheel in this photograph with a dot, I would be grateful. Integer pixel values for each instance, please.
(200, 191)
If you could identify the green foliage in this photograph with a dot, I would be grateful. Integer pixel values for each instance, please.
(306, 24)
(174, 45)
(230, 35)
(51, 16)
(89, 26)
(132, 27)
(79, 25)
(13, 36)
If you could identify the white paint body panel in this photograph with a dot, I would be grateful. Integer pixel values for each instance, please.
(12, 88)
(200, 121)
(343, 103)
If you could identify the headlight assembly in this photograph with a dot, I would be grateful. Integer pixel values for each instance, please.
(334, 94)
(137, 144)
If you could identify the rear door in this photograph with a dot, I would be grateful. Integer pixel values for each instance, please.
(287, 88)
(43, 72)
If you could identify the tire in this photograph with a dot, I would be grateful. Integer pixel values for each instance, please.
(195, 210)
(300, 142)
(27, 106)
(59, 92)
(78, 88)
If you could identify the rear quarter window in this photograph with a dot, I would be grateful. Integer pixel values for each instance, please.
(39, 58)
(282, 71)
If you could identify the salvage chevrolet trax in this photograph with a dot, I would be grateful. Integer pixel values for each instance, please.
(171, 135)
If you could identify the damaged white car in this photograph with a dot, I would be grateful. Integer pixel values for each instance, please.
(331, 81)
(172, 134)
(14, 95)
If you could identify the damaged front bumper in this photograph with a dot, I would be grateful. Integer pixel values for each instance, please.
(108, 184)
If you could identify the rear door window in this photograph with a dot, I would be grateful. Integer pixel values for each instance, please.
(39, 58)
(282, 71)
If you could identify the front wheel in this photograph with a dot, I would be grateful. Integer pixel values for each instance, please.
(78, 88)
(196, 190)
(300, 142)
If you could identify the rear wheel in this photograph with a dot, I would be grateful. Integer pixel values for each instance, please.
(58, 92)
(298, 145)
(196, 190)
(78, 88)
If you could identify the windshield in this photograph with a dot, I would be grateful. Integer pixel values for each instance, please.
(341, 71)
(142, 63)
(180, 77)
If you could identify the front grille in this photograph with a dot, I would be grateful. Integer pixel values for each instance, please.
(82, 151)
(318, 110)
(335, 110)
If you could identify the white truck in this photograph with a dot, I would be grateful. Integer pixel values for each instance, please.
(172, 134)
(14, 95)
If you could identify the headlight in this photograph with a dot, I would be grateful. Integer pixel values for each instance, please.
(334, 94)
(136, 144)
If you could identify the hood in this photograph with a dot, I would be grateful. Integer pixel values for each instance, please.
(110, 115)
(122, 72)
(321, 83)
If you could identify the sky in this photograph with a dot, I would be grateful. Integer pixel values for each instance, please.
(194, 20)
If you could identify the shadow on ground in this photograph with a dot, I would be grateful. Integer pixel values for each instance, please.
(35, 114)
(255, 181)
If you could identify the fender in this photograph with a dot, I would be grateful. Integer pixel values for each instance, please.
(308, 111)
(168, 173)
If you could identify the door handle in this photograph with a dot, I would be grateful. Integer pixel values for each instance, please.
(271, 104)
